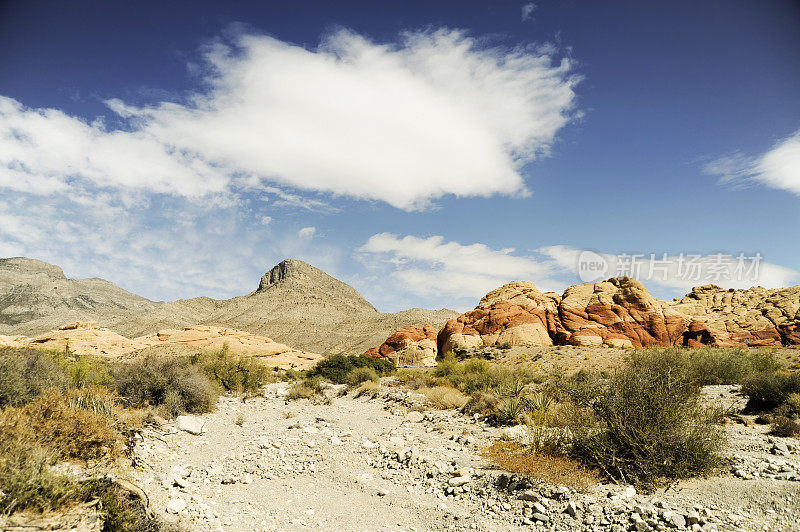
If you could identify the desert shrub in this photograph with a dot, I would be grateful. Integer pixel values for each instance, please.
(86, 371)
(482, 403)
(96, 399)
(499, 394)
(309, 388)
(416, 378)
(362, 374)
(153, 381)
(65, 431)
(232, 373)
(122, 510)
(479, 375)
(26, 481)
(367, 389)
(713, 365)
(767, 390)
(26, 373)
(647, 423)
(790, 407)
(580, 388)
(335, 368)
(784, 426)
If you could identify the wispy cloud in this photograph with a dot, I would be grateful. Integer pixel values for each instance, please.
(432, 266)
(527, 11)
(307, 232)
(299, 202)
(777, 168)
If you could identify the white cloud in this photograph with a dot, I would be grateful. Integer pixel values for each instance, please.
(266, 220)
(296, 201)
(307, 232)
(433, 267)
(777, 168)
(527, 11)
(679, 273)
(436, 113)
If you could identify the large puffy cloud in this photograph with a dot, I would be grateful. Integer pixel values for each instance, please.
(778, 168)
(436, 113)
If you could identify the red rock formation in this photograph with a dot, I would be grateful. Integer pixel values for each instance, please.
(410, 346)
(622, 313)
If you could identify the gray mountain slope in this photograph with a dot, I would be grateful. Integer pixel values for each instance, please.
(295, 304)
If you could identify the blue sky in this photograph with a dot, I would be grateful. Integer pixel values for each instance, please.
(423, 153)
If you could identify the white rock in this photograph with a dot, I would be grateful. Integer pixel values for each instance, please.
(175, 506)
(517, 432)
(190, 424)
(414, 417)
(459, 481)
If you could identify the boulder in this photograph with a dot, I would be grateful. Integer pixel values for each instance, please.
(410, 346)
(517, 313)
(190, 424)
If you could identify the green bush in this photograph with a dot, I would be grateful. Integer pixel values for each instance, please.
(768, 390)
(309, 388)
(713, 365)
(784, 427)
(234, 373)
(646, 423)
(336, 368)
(158, 381)
(26, 479)
(86, 371)
(362, 374)
(581, 388)
(479, 375)
(25, 373)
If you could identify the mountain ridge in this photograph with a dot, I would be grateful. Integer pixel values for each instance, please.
(295, 303)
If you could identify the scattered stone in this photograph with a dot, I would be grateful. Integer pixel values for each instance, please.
(191, 424)
(176, 505)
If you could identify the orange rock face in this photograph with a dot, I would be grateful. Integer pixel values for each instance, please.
(622, 313)
(410, 346)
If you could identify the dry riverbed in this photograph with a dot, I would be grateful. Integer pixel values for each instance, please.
(389, 463)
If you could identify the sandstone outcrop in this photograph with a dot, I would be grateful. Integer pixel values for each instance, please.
(209, 338)
(617, 313)
(622, 313)
(409, 347)
(753, 317)
(87, 338)
(517, 313)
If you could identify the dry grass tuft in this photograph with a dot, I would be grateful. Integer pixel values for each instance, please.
(444, 397)
(66, 431)
(515, 458)
(367, 388)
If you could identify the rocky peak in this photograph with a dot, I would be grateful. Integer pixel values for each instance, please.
(288, 269)
(28, 266)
